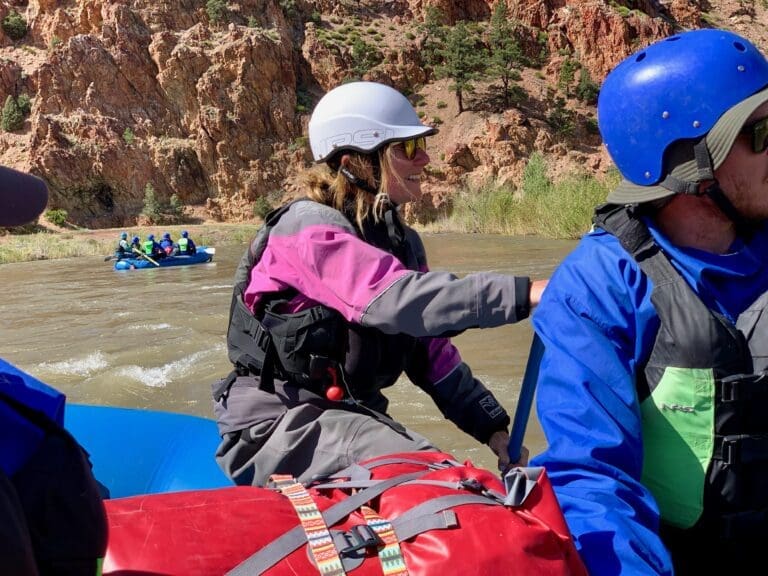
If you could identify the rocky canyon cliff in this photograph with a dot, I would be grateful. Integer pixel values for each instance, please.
(209, 100)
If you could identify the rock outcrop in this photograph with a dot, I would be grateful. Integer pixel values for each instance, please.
(209, 101)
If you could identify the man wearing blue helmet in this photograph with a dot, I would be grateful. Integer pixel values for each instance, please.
(186, 245)
(167, 245)
(151, 247)
(651, 390)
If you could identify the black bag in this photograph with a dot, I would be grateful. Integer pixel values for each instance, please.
(61, 501)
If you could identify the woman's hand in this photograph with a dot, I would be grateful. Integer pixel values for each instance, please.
(499, 443)
(537, 289)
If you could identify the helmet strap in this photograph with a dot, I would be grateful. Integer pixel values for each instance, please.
(713, 191)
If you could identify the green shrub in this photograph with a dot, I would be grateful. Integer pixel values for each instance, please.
(128, 136)
(298, 143)
(216, 9)
(57, 216)
(561, 119)
(151, 206)
(262, 207)
(14, 25)
(587, 90)
(175, 207)
(535, 182)
(25, 104)
(12, 115)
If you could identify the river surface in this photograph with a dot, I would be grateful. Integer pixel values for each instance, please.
(155, 338)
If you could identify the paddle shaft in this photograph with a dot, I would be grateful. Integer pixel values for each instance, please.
(140, 253)
(525, 399)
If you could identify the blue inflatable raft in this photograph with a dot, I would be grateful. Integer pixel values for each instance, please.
(137, 451)
(203, 254)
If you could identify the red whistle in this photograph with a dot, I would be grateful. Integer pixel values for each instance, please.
(334, 392)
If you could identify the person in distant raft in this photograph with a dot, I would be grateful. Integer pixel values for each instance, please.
(136, 245)
(333, 301)
(167, 245)
(52, 518)
(123, 249)
(152, 248)
(186, 245)
(653, 391)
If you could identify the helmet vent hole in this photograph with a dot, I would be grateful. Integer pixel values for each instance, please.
(739, 46)
(640, 57)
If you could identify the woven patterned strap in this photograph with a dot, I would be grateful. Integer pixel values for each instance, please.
(390, 555)
(319, 539)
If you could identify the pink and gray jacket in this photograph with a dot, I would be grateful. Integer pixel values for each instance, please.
(399, 314)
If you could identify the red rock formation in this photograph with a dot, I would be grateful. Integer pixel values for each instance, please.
(130, 93)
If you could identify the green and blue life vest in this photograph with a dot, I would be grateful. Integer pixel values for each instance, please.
(703, 397)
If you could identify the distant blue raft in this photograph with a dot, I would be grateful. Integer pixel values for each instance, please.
(204, 254)
(136, 451)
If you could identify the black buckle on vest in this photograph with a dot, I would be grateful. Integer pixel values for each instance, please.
(730, 450)
(359, 537)
(743, 387)
(741, 448)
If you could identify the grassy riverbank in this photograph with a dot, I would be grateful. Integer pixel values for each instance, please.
(540, 207)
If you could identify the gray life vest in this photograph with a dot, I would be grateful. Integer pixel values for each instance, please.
(311, 349)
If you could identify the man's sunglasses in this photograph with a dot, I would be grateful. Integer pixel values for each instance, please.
(410, 146)
(758, 131)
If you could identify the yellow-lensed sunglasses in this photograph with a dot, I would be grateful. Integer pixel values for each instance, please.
(411, 146)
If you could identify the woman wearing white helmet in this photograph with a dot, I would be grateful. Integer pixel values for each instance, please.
(333, 301)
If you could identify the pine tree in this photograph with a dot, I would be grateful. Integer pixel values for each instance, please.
(463, 61)
(13, 116)
(506, 56)
(151, 205)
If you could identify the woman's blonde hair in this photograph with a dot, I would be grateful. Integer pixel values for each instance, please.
(329, 186)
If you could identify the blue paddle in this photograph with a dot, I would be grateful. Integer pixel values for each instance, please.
(525, 399)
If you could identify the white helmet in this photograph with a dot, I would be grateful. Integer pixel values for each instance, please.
(362, 116)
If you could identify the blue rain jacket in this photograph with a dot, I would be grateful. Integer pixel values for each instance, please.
(598, 326)
(19, 438)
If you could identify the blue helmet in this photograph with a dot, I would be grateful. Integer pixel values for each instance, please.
(166, 236)
(124, 236)
(184, 234)
(135, 240)
(151, 237)
(675, 89)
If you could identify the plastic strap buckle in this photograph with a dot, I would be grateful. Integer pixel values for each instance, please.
(359, 537)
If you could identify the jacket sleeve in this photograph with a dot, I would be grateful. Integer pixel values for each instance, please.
(315, 251)
(436, 367)
(596, 322)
